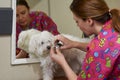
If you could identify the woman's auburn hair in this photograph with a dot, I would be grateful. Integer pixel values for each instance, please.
(97, 10)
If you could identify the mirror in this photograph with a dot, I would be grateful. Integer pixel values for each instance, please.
(60, 14)
(35, 5)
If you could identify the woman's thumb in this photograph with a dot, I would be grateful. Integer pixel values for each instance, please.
(58, 50)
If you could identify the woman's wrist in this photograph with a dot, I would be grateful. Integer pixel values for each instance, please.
(63, 62)
(69, 72)
(80, 45)
(75, 44)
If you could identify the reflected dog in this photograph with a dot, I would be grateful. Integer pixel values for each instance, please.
(24, 38)
(40, 44)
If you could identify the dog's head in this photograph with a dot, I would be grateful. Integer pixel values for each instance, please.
(40, 44)
(24, 37)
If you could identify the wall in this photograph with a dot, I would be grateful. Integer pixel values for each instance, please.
(7, 71)
(28, 71)
(37, 5)
(63, 17)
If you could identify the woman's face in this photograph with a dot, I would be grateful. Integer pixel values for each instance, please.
(22, 15)
(83, 25)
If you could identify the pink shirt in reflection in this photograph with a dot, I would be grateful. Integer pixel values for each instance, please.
(40, 21)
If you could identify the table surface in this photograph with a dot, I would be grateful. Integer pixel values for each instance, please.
(60, 78)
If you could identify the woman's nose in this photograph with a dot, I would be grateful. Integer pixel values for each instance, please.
(20, 17)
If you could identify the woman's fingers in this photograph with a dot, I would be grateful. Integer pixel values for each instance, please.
(58, 50)
(52, 52)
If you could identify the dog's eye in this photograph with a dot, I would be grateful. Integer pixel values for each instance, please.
(49, 41)
(42, 42)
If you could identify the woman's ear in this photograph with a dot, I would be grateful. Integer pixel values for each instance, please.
(90, 21)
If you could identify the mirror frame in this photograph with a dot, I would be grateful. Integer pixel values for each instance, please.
(15, 61)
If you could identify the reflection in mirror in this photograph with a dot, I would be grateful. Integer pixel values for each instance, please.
(51, 8)
(59, 12)
(26, 15)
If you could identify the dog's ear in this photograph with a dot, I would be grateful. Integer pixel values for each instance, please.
(33, 45)
(21, 38)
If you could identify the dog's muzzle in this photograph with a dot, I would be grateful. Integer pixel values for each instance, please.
(48, 47)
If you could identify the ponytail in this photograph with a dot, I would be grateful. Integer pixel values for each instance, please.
(115, 14)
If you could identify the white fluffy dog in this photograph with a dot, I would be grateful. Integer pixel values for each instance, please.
(24, 39)
(39, 44)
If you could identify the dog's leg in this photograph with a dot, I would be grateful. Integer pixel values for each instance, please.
(47, 73)
(47, 69)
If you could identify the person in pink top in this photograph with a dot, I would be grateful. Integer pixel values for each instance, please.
(25, 19)
(102, 61)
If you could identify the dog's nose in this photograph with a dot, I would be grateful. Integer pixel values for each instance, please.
(48, 47)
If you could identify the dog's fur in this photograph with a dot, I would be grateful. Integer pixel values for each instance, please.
(40, 43)
(24, 39)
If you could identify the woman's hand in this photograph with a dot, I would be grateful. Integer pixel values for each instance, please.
(22, 54)
(67, 43)
(57, 56)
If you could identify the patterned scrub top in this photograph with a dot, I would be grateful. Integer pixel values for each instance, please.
(102, 61)
(40, 21)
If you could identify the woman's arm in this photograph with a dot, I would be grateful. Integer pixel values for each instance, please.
(58, 57)
(22, 54)
(69, 72)
(67, 43)
(80, 45)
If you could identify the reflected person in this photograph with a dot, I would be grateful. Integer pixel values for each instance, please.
(26, 19)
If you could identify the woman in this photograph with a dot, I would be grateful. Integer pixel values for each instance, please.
(102, 61)
(27, 20)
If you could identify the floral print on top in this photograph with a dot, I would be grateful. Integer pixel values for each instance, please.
(102, 61)
(40, 21)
